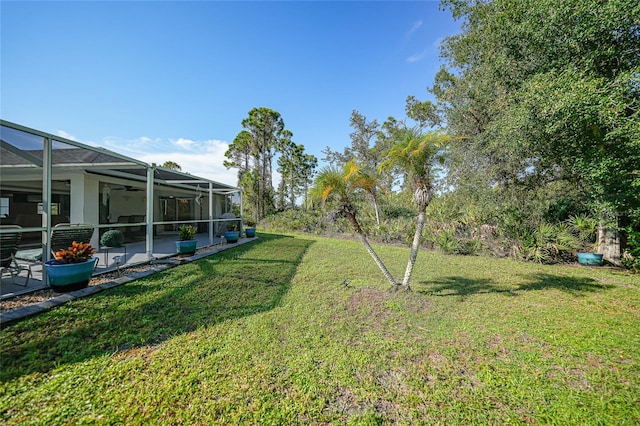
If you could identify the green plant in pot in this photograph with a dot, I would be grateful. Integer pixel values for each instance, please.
(232, 234)
(250, 228)
(113, 238)
(72, 268)
(187, 243)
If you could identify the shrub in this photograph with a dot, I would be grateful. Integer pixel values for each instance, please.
(447, 242)
(546, 243)
(113, 238)
(585, 228)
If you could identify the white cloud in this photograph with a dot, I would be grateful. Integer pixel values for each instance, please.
(184, 143)
(417, 57)
(199, 158)
(66, 135)
(415, 27)
(131, 147)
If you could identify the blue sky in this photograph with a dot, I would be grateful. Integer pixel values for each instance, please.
(161, 80)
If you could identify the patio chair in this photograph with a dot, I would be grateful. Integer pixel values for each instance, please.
(63, 238)
(138, 232)
(8, 248)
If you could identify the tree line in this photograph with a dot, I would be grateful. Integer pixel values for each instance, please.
(532, 141)
(252, 152)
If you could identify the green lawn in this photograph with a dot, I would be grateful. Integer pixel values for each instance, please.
(266, 333)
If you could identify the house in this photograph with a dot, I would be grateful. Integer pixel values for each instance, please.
(46, 180)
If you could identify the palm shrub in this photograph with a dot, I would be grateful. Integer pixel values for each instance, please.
(546, 243)
(584, 227)
(447, 242)
(455, 239)
(394, 231)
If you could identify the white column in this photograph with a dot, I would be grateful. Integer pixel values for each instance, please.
(150, 219)
(211, 224)
(46, 201)
(85, 202)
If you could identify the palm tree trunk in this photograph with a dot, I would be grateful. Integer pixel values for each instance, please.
(415, 246)
(376, 207)
(422, 198)
(350, 212)
(385, 271)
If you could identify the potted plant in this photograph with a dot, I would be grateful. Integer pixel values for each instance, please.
(187, 243)
(72, 268)
(232, 234)
(250, 228)
(113, 238)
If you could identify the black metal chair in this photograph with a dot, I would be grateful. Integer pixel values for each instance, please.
(8, 247)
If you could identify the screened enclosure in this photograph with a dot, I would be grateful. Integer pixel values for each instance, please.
(47, 181)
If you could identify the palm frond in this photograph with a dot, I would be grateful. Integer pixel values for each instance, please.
(327, 191)
(351, 169)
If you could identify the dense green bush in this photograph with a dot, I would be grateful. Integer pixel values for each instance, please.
(468, 229)
(563, 209)
(546, 243)
(113, 238)
(631, 256)
(584, 227)
(447, 242)
(310, 221)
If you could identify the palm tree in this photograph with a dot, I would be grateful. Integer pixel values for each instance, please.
(416, 155)
(370, 184)
(332, 182)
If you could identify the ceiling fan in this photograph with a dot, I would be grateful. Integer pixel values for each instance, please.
(128, 188)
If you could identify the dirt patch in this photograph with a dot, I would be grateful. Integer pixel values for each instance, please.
(367, 297)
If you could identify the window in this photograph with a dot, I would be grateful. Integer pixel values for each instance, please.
(4, 207)
(55, 208)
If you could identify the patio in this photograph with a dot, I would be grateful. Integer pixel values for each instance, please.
(164, 247)
(47, 181)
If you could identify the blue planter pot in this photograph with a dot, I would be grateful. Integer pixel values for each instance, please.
(232, 236)
(591, 259)
(71, 276)
(250, 232)
(186, 247)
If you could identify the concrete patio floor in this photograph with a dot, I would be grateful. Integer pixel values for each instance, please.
(163, 247)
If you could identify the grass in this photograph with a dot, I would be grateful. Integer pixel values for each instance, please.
(267, 333)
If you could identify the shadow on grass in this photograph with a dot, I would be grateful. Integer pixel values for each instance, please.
(577, 286)
(460, 286)
(463, 286)
(242, 281)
